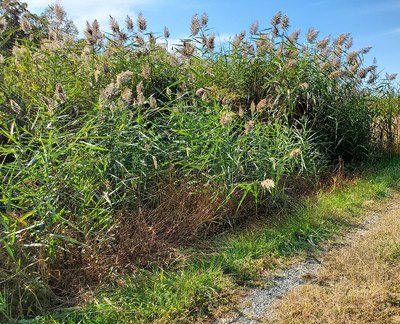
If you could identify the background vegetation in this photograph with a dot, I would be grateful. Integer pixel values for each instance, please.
(115, 150)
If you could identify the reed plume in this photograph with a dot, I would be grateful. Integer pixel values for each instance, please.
(129, 23)
(323, 43)
(276, 19)
(293, 37)
(254, 28)
(141, 22)
(3, 24)
(211, 42)
(204, 19)
(166, 32)
(285, 22)
(195, 26)
(267, 184)
(341, 39)
(114, 25)
(59, 13)
(312, 35)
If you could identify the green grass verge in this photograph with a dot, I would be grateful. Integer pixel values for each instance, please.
(205, 280)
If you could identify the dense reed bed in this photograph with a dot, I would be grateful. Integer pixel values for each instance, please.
(116, 149)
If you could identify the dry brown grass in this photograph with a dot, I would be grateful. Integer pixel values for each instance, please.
(359, 283)
(175, 215)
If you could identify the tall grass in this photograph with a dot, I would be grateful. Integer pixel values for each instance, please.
(115, 149)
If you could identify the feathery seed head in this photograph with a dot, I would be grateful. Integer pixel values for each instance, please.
(204, 19)
(261, 105)
(139, 87)
(146, 71)
(248, 127)
(252, 107)
(336, 74)
(195, 26)
(338, 50)
(1, 59)
(335, 62)
(291, 63)
(110, 90)
(141, 22)
(263, 44)
(285, 22)
(294, 36)
(90, 34)
(166, 32)
(152, 102)
(127, 95)
(341, 39)
(124, 77)
(96, 29)
(268, 184)
(254, 27)
(312, 35)
(129, 23)
(241, 35)
(3, 24)
(226, 118)
(139, 39)
(323, 43)
(140, 99)
(241, 111)
(211, 42)
(188, 49)
(352, 57)
(59, 12)
(114, 25)
(276, 19)
(349, 43)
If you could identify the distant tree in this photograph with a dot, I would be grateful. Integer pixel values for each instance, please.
(58, 20)
(18, 24)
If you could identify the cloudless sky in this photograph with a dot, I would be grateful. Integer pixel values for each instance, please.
(373, 23)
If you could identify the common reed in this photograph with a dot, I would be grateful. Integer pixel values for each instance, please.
(112, 127)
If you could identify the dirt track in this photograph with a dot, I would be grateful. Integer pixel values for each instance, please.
(290, 286)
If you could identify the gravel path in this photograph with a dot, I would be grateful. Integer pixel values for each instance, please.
(258, 305)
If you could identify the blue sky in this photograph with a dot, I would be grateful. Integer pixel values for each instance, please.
(373, 23)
